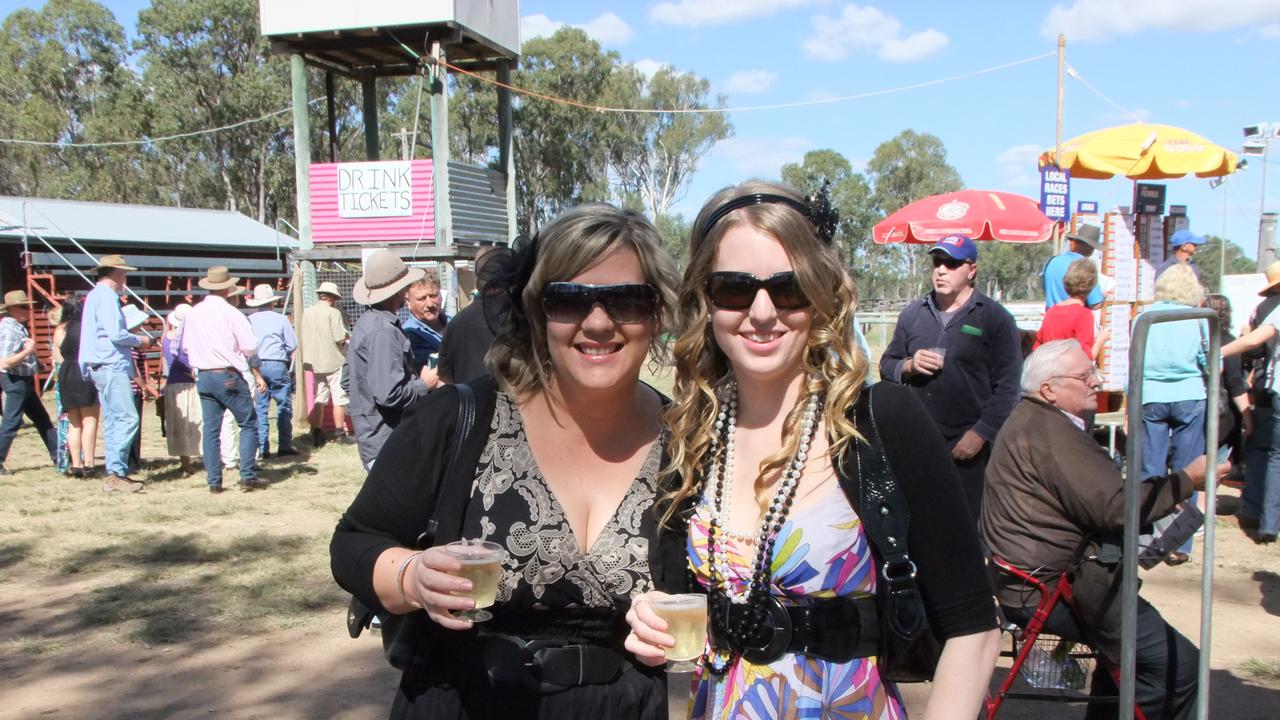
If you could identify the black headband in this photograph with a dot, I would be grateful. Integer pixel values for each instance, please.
(816, 209)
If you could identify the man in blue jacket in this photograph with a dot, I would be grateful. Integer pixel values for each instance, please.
(960, 351)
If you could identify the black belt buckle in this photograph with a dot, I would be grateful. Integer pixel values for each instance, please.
(775, 631)
(531, 661)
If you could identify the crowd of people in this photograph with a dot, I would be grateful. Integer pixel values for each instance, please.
(817, 512)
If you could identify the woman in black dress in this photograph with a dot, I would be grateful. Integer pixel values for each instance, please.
(79, 396)
(560, 469)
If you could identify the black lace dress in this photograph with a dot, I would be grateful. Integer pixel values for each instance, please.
(549, 588)
(77, 391)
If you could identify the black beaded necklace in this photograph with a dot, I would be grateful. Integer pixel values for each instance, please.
(745, 632)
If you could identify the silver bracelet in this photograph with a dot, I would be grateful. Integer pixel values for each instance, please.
(404, 565)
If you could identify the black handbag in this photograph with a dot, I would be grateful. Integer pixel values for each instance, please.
(908, 649)
(404, 635)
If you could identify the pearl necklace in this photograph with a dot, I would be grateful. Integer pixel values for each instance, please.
(720, 472)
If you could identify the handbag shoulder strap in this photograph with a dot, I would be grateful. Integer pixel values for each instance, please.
(450, 491)
(886, 519)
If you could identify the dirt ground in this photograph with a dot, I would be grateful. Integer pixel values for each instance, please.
(178, 604)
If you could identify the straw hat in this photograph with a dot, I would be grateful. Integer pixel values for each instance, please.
(112, 261)
(328, 288)
(262, 294)
(178, 315)
(218, 278)
(385, 274)
(1273, 278)
(15, 297)
(133, 317)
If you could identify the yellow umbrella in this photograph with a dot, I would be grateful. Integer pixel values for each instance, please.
(1142, 151)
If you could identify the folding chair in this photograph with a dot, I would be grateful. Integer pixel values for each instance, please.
(1055, 653)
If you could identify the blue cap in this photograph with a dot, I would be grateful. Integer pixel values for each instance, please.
(1184, 236)
(958, 247)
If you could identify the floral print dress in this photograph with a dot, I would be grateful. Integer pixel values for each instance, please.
(822, 551)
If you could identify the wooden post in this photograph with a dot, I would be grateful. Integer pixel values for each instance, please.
(333, 119)
(440, 145)
(299, 373)
(506, 158)
(369, 88)
(301, 148)
(1057, 143)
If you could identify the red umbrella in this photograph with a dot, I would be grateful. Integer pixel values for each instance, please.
(979, 214)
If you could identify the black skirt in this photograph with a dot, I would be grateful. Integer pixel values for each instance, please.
(77, 391)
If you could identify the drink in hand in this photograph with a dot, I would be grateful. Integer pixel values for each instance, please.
(686, 617)
(482, 565)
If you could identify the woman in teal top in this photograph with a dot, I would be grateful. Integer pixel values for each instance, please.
(1173, 386)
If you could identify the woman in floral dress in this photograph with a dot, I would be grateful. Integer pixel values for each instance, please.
(763, 433)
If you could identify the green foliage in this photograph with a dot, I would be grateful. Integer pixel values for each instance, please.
(654, 155)
(1209, 258)
(1011, 271)
(675, 232)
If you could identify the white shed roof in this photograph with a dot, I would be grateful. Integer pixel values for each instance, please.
(135, 224)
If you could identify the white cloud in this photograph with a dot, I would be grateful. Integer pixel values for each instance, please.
(748, 82)
(761, 156)
(648, 67)
(1017, 166)
(1270, 32)
(1097, 20)
(697, 13)
(867, 29)
(607, 29)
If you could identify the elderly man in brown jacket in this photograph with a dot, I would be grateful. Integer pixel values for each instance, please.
(1051, 489)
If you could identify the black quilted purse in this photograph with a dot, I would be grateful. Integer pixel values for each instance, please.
(908, 649)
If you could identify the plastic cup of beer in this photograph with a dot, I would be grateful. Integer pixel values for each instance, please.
(941, 352)
(686, 617)
(482, 565)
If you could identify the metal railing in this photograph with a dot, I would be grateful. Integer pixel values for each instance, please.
(1132, 482)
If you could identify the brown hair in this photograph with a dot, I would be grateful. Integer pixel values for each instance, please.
(568, 246)
(832, 364)
(1081, 278)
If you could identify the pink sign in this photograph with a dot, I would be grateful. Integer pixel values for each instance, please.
(373, 202)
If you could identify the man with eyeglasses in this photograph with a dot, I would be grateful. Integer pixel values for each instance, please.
(960, 351)
(1051, 488)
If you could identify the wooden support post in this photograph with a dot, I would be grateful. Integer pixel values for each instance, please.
(440, 146)
(333, 118)
(506, 158)
(369, 88)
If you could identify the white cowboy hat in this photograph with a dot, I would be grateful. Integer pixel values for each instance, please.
(262, 294)
(385, 274)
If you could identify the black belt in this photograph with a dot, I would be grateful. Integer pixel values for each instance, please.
(835, 629)
(548, 665)
(221, 370)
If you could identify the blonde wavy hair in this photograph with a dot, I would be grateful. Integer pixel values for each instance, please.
(568, 246)
(1179, 285)
(832, 363)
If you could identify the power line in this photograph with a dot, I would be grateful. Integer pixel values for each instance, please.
(1076, 74)
(749, 108)
(148, 141)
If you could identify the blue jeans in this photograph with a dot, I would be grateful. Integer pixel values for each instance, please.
(1261, 499)
(226, 390)
(280, 389)
(22, 398)
(119, 417)
(1172, 437)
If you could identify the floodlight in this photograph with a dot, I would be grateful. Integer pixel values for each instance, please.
(1255, 148)
(1215, 183)
(1255, 130)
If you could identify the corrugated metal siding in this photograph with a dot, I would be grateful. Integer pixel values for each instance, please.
(328, 227)
(479, 200)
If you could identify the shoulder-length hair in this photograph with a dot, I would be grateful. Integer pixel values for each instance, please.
(1178, 284)
(832, 363)
(568, 246)
(1080, 279)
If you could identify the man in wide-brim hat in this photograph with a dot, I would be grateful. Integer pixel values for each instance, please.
(276, 343)
(222, 349)
(324, 343)
(382, 382)
(1082, 243)
(1259, 514)
(19, 365)
(106, 357)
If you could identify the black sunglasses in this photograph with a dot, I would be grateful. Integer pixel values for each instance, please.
(950, 262)
(567, 302)
(737, 290)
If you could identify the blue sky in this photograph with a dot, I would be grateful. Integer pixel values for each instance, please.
(1207, 65)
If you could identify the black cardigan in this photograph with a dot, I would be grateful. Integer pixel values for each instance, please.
(394, 505)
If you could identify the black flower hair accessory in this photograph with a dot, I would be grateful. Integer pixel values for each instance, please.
(823, 215)
(503, 277)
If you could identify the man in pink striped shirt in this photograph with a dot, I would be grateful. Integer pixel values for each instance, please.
(221, 346)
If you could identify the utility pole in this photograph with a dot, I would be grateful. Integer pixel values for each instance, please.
(403, 136)
(1257, 142)
(1057, 145)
